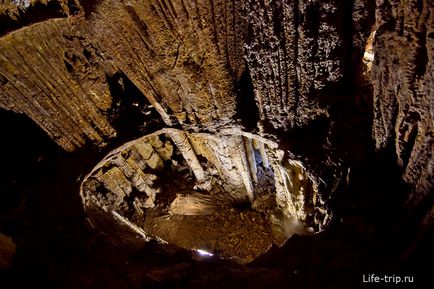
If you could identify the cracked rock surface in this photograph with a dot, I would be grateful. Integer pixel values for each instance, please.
(315, 118)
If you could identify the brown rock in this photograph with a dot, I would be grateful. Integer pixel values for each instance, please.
(7, 251)
(403, 81)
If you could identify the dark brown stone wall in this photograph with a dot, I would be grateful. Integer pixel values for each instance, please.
(403, 88)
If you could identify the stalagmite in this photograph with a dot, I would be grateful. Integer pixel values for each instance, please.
(282, 192)
(153, 159)
(181, 141)
(240, 159)
(251, 158)
(164, 149)
(138, 179)
(218, 151)
(290, 202)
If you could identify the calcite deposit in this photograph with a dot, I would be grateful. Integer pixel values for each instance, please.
(137, 182)
(236, 93)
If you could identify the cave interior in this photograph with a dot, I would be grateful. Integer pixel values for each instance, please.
(209, 144)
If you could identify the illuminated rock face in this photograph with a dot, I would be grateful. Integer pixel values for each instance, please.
(190, 61)
(137, 182)
(403, 90)
(243, 82)
(139, 165)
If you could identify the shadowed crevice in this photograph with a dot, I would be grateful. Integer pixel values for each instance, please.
(247, 111)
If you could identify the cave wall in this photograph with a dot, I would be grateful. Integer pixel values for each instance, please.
(403, 81)
(181, 54)
(301, 53)
(184, 64)
(232, 166)
(50, 74)
(187, 59)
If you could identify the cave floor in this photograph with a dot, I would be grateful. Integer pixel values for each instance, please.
(231, 231)
(228, 232)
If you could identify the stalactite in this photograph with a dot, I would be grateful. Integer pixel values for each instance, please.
(139, 180)
(264, 157)
(283, 197)
(221, 151)
(251, 158)
(255, 143)
(130, 176)
(151, 157)
(164, 149)
(241, 162)
(181, 141)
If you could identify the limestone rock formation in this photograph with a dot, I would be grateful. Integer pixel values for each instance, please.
(403, 89)
(225, 90)
(186, 64)
(296, 54)
(130, 179)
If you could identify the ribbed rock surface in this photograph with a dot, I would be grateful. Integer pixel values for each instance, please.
(297, 51)
(404, 88)
(192, 62)
(51, 73)
(186, 58)
(181, 54)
